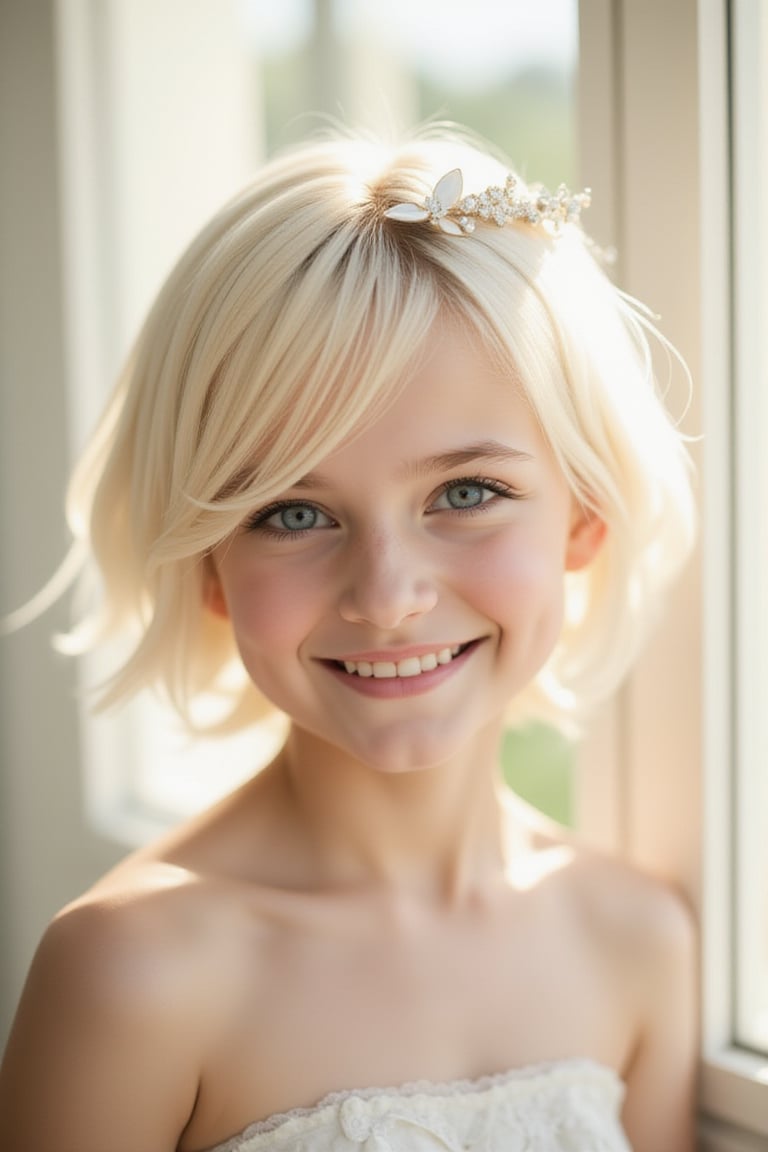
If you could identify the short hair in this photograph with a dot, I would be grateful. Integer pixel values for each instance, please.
(291, 322)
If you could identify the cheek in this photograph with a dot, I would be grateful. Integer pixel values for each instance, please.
(268, 611)
(521, 588)
(512, 578)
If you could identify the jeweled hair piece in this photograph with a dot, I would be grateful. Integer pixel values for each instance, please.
(445, 208)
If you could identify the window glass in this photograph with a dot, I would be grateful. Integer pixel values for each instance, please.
(504, 68)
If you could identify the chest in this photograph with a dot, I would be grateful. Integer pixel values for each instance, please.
(359, 1001)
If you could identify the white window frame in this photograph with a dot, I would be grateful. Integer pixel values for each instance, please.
(734, 1081)
(749, 149)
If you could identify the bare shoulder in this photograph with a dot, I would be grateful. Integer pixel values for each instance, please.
(646, 930)
(632, 957)
(623, 908)
(633, 912)
(108, 1043)
(131, 933)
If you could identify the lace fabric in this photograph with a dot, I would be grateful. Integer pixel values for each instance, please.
(570, 1106)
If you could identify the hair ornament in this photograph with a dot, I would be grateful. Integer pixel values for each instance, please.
(445, 209)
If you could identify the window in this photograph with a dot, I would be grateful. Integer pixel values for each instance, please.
(505, 71)
(734, 39)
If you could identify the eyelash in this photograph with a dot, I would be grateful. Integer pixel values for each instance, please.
(259, 520)
(495, 486)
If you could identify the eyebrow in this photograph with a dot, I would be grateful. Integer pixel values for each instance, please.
(481, 450)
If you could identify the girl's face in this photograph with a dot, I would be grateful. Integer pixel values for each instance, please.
(394, 600)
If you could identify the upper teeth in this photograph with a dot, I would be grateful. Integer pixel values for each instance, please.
(411, 666)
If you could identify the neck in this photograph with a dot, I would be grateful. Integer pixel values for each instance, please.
(436, 832)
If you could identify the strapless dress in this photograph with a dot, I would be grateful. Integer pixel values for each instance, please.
(566, 1106)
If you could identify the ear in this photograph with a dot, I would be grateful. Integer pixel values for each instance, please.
(586, 537)
(213, 594)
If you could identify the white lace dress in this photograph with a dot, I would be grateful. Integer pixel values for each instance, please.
(569, 1106)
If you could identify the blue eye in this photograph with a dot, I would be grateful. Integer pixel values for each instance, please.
(466, 495)
(289, 519)
(295, 518)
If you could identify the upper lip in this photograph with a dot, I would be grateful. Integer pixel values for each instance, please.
(394, 655)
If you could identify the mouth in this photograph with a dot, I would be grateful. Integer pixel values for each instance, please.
(406, 669)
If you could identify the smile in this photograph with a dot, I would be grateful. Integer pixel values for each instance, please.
(403, 669)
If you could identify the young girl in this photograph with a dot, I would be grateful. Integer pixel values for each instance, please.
(390, 442)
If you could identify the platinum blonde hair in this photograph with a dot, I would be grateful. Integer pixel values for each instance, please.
(290, 324)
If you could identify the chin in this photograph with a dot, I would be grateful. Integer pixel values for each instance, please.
(401, 752)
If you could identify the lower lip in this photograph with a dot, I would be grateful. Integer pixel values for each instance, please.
(396, 687)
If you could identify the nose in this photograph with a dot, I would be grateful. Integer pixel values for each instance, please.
(385, 582)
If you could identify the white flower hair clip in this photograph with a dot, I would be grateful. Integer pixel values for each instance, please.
(445, 209)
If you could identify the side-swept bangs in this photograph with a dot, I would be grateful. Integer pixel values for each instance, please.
(288, 327)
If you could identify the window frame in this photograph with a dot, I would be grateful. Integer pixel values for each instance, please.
(748, 27)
